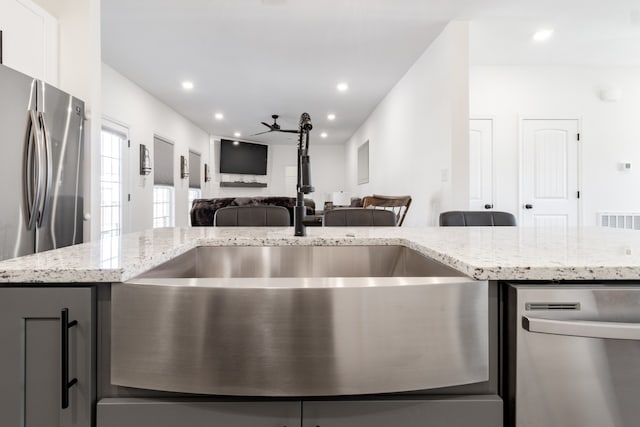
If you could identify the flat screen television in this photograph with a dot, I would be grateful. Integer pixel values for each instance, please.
(243, 158)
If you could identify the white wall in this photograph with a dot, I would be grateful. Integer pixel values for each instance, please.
(327, 172)
(145, 116)
(609, 136)
(418, 135)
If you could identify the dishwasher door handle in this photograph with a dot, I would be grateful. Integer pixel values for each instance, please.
(583, 328)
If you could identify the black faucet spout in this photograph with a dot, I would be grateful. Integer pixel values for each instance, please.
(299, 214)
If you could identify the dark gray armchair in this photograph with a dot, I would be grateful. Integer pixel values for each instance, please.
(476, 219)
(359, 217)
(252, 216)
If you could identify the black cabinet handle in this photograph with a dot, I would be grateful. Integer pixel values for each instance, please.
(488, 206)
(528, 206)
(64, 345)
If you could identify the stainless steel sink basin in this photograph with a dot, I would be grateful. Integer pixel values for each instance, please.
(299, 321)
(301, 261)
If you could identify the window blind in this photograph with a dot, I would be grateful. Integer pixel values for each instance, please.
(162, 162)
(194, 170)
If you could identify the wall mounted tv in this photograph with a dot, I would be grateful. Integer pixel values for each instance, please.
(243, 158)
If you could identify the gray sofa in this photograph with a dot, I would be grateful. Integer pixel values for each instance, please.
(203, 210)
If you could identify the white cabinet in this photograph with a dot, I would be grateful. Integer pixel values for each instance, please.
(30, 39)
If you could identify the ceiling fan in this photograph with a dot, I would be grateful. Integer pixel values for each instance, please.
(275, 127)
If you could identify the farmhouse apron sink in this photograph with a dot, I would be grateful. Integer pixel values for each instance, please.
(299, 321)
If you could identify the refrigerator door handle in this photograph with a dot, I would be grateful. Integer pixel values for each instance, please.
(46, 140)
(583, 328)
(33, 170)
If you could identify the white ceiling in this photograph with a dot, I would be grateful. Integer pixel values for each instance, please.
(586, 32)
(250, 59)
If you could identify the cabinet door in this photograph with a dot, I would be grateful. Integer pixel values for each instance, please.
(449, 411)
(136, 412)
(31, 357)
(30, 39)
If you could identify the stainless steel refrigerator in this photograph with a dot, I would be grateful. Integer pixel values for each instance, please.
(41, 199)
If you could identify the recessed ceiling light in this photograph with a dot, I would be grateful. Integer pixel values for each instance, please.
(342, 87)
(323, 135)
(542, 35)
(237, 134)
(219, 116)
(187, 85)
(236, 142)
(331, 117)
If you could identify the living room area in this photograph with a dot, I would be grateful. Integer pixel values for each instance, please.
(424, 150)
(419, 112)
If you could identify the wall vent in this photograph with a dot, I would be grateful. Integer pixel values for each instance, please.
(627, 220)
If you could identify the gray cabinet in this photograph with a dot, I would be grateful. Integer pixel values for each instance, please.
(32, 356)
(443, 411)
(136, 412)
(437, 411)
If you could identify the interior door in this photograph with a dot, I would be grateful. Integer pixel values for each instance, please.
(481, 164)
(549, 174)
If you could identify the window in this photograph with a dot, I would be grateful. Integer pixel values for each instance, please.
(162, 206)
(194, 193)
(163, 192)
(194, 180)
(111, 183)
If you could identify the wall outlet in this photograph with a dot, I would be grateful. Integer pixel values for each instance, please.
(444, 175)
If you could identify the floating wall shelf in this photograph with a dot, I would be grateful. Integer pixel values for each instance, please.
(242, 184)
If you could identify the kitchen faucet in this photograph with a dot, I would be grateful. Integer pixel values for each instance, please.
(303, 185)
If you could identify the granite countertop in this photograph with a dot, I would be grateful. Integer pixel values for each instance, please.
(493, 253)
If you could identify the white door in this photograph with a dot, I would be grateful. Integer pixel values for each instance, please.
(481, 164)
(549, 176)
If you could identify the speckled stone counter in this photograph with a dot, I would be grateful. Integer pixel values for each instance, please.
(494, 253)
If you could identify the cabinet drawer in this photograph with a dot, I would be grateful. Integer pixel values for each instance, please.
(196, 413)
(450, 411)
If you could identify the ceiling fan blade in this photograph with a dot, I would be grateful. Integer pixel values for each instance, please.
(256, 134)
(267, 125)
(288, 131)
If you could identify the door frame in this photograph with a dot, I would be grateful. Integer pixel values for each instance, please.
(521, 120)
(494, 194)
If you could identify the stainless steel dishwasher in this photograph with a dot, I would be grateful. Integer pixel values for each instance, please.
(573, 355)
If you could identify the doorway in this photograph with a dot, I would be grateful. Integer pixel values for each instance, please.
(549, 173)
